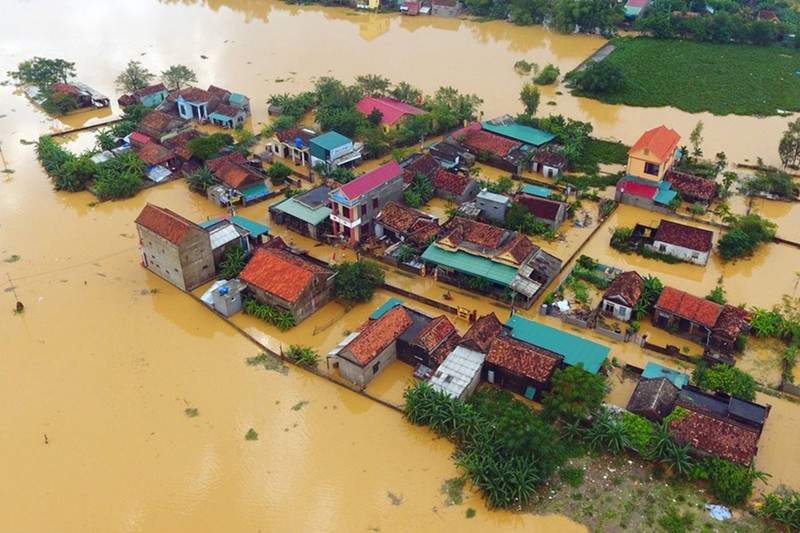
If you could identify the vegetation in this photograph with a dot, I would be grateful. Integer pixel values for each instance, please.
(524, 67)
(119, 177)
(572, 134)
(208, 147)
(134, 77)
(723, 88)
(781, 322)
(303, 355)
(783, 509)
(518, 218)
(725, 379)
(278, 173)
(176, 76)
(769, 183)
(599, 79)
(597, 152)
(530, 96)
(201, 179)
(43, 72)
(251, 434)
(419, 192)
(789, 146)
(575, 394)
(717, 294)
(357, 281)
(191, 412)
(292, 107)
(547, 76)
(234, 262)
(746, 234)
(283, 320)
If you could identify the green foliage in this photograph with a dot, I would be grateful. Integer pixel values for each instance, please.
(789, 360)
(208, 147)
(640, 432)
(572, 134)
(726, 379)
(608, 432)
(303, 355)
(746, 234)
(283, 320)
(373, 84)
(119, 177)
(620, 239)
(729, 482)
(251, 434)
(283, 123)
(470, 513)
(135, 76)
(575, 393)
(572, 476)
(769, 182)
(292, 108)
(524, 67)
(191, 412)
(357, 281)
(406, 92)
(201, 179)
(278, 173)
(675, 522)
(58, 103)
(234, 262)
(448, 108)
(783, 509)
(717, 294)
(419, 192)
(599, 78)
(597, 152)
(651, 292)
(789, 146)
(105, 140)
(518, 218)
(547, 76)
(43, 72)
(176, 76)
(530, 96)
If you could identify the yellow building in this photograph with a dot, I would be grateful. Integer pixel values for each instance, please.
(653, 154)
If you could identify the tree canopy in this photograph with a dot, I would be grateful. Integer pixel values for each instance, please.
(43, 72)
(600, 78)
(789, 146)
(357, 281)
(575, 393)
(176, 76)
(134, 77)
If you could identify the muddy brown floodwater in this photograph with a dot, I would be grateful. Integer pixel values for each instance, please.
(96, 374)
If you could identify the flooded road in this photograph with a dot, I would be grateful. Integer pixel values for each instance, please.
(98, 372)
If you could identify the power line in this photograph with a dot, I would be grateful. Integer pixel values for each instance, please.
(68, 267)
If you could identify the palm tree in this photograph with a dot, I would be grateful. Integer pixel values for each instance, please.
(661, 442)
(201, 179)
(678, 458)
(105, 141)
(284, 321)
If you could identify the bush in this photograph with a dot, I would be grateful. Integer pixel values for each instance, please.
(357, 281)
(234, 262)
(746, 234)
(784, 509)
(251, 434)
(640, 432)
(600, 78)
(620, 239)
(303, 355)
(283, 320)
(278, 173)
(549, 74)
(729, 482)
(725, 379)
(572, 476)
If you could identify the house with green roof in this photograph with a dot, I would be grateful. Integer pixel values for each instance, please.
(307, 214)
(575, 350)
(507, 127)
(334, 150)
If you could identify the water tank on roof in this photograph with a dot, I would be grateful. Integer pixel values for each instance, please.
(298, 142)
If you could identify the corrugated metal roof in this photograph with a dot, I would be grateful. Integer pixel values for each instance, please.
(254, 228)
(330, 140)
(293, 207)
(536, 190)
(470, 264)
(223, 235)
(390, 303)
(494, 197)
(654, 371)
(574, 349)
(258, 191)
(520, 133)
(457, 371)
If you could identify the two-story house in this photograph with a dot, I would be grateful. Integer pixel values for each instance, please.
(355, 204)
(333, 150)
(649, 159)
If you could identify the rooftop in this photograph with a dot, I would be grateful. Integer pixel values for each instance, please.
(281, 273)
(473, 265)
(434, 333)
(691, 186)
(486, 141)
(194, 95)
(157, 121)
(518, 132)
(716, 436)
(389, 304)
(536, 190)
(424, 164)
(165, 223)
(457, 371)
(494, 197)
(482, 332)
(311, 207)
(654, 370)
(662, 141)
(518, 248)
(655, 395)
(330, 140)
(627, 286)
(684, 236)
(551, 159)
(178, 144)
(371, 180)
(153, 153)
(523, 358)
(732, 321)
(378, 334)
(539, 207)
(688, 306)
(400, 218)
(391, 109)
(253, 228)
(450, 182)
(461, 229)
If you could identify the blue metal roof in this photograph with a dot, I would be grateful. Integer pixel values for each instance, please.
(382, 310)
(536, 190)
(654, 370)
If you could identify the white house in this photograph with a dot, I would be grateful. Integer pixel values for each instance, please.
(620, 298)
(688, 243)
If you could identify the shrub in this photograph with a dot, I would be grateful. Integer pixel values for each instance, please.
(357, 281)
(640, 432)
(572, 476)
(303, 355)
(251, 434)
(234, 262)
(729, 482)
(549, 74)
(725, 379)
(783, 509)
(278, 173)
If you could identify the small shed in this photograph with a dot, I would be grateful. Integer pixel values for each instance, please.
(227, 298)
(459, 374)
(653, 399)
(493, 206)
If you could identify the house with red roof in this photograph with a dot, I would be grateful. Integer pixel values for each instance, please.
(653, 154)
(160, 126)
(400, 223)
(239, 180)
(174, 248)
(293, 143)
(551, 212)
(690, 243)
(292, 282)
(215, 105)
(356, 204)
(619, 300)
(459, 188)
(392, 111)
(520, 367)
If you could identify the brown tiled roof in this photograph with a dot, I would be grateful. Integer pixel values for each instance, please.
(723, 438)
(65, 88)
(692, 186)
(195, 94)
(288, 136)
(434, 333)
(485, 141)
(450, 182)
(688, 306)
(551, 159)
(444, 349)
(281, 273)
(399, 217)
(461, 229)
(232, 170)
(653, 396)
(153, 153)
(424, 164)
(543, 208)
(156, 121)
(218, 92)
(378, 334)
(519, 247)
(523, 358)
(233, 157)
(227, 110)
(685, 236)
(165, 223)
(150, 89)
(733, 321)
(422, 231)
(178, 143)
(482, 332)
(628, 286)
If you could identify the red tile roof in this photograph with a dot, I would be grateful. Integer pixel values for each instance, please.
(165, 223)
(156, 121)
(522, 358)
(485, 141)
(178, 143)
(219, 92)
(289, 136)
(424, 164)
(543, 208)
(482, 332)
(233, 157)
(281, 273)
(662, 141)
(371, 180)
(519, 247)
(400, 218)
(153, 153)
(434, 333)
(733, 321)
(637, 189)
(65, 88)
(232, 170)
(139, 137)
(628, 286)
(461, 229)
(688, 306)
(392, 110)
(691, 186)
(378, 334)
(455, 184)
(151, 89)
(422, 231)
(444, 349)
(551, 159)
(718, 437)
(684, 236)
(227, 110)
(195, 95)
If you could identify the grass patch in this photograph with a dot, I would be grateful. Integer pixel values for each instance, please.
(470, 512)
(664, 73)
(191, 412)
(251, 434)
(454, 488)
(267, 361)
(599, 152)
(571, 475)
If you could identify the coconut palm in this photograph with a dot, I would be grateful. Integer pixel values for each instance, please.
(678, 458)
(201, 179)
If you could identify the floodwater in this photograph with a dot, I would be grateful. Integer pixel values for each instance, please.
(96, 374)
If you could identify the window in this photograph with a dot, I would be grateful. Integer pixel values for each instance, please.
(662, 247)
(375, 203)
(695, 255)
(346, 212)
(651, 168)
(363, 210)
(376, 367)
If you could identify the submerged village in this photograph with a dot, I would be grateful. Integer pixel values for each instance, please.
(518, 285)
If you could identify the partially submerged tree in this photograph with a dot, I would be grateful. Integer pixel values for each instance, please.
(134, 77)
(600, 78)
(530, 96)
(176, 76)
(575, 393)
(43, 72)
(746, 234)
(207, 147)
(696, 138)
(789, 146)
(357, 281)
(278, 173)
(201, 179)
(373, 84)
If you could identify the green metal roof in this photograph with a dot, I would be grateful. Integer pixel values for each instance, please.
(654, 370)
(237, 98)
(251, 226)
(219, 116)
(296, 209)
(330, 140)
(574, 349)
(665, 193)
(390, 303)
(632, 11)
(256, 191)
(520, 133)
(536, 190)
(470, 264)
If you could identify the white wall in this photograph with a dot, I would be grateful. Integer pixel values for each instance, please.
(692, 256)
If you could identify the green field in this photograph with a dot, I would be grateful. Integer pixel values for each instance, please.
(696, 76)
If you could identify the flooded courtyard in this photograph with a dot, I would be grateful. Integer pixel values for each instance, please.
(98, 372)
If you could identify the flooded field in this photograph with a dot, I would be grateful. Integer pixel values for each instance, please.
(98, 372)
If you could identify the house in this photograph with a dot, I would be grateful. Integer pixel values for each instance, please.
(446, 8)
(491, 259)
(634, 8)
(289, 281)
(482, 332)
(398, 223)
(692, 188)
(354, 205)
(619, 300)
(459, 374)
(417, 342)
(226, 232)
(218, 106)
(458, 188)
(688, 243)
(238, 178)
(419, 164)
(655, 371)
(551, 212)
(653, 154)
(307, 214)
(451, 156)
(373, 348)
(491, 148)
(333, 150)
(647, 194)
(84, 95)
(392, 111)
(520, 367)
(160, 126)
(294, 143)
(653, 399)
(159, 159)
(699, 320)
(149, 96)
(575, 350)
(175, 248)
(507, 127)
(549, 164)
(368, 4)
(493, 206)
(179, 145)
(410, 8)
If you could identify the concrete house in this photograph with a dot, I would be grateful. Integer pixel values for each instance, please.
(149, 96)
(226, 232)
(419, 164)
(520, 367)
(548, 164)
(449, 185)
(294, 143)
(289, 281)
(493, 206)
(619, 300)
(355, 205)
(551, 212)
(653, 154)
(492, 148)
(160, 160)
(160, 126)
(175, 248)
(334, 150)
(693, 189)
(446, 8)
(689, 243)
(307, 214)
(241, 181)
(392, 111)
(400, 223)
(216, 105)
(653, 399)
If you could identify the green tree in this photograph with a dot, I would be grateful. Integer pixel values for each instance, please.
(651, 292)
(746, 234)
(357, 281)
(76, 173)
(373, 84)
(278, 173)
(176, 76)
(731, 483)
(201, 179)
(233, 263)
(208, 147)
(696, 138)
(105, 140)
(725, 379)
(421, 188)
(43, 72)
(789, 146)
(57, 103)
(600, 78)
(406, 92)
(575, 393)
(547, 76)
(530, 96)
(135, 76)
